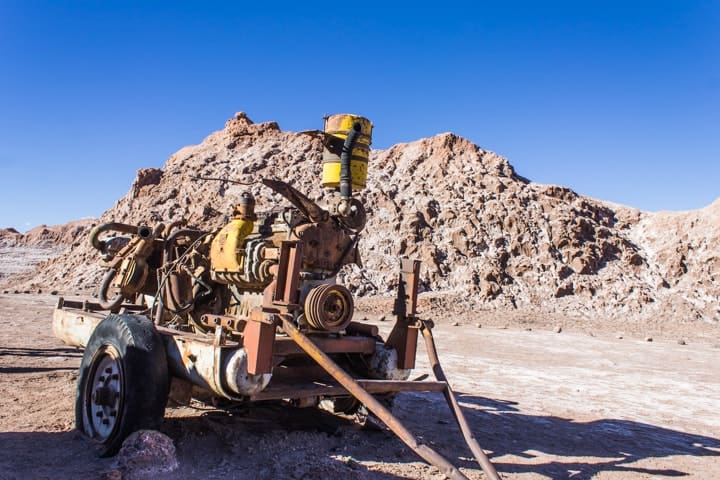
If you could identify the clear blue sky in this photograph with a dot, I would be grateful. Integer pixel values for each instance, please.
(619, 100)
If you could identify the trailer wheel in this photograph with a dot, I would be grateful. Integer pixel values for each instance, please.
(123, 382)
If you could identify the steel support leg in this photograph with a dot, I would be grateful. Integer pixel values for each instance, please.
(480, 455)
(372, 404)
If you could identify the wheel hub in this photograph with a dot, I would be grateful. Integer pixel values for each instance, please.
(105, 394)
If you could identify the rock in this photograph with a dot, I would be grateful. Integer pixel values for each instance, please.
(565, 289)
(455, 324)
(478, 325)
(558, 329)
(112, 475)
(489, 238)
(53, 292)
(146, 453)
(681, 342)
(648, 339)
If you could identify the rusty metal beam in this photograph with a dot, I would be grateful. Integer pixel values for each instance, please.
(279, 390)
(479, 453)
(287, 279)
(285, 346)
(259, 342)
(362, 329)
(352, 386)
(403, 337)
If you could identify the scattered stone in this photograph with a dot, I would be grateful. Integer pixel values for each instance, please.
(455, 324)
(648, 339)
(6, 292)
(146, 453)
(478, 325)
(39, 291)
(558, 329)
(619, 337)
(26, 291)
(54, 292)
(382, 318)
(681, 342)
(112, 475)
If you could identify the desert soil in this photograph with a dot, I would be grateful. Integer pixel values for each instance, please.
(546, 405)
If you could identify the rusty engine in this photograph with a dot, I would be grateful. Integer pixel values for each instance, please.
(249, 312)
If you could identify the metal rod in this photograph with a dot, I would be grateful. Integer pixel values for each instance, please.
(352, 386)
(479, 453)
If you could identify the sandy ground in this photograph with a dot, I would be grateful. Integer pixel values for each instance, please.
(546, 405)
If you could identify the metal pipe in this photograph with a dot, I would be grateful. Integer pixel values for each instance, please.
(114, 226)
(356, 390)
(345, 158)
(221, 370)
(145, 246)
(479, 453)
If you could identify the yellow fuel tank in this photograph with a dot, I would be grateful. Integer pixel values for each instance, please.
(339, 126)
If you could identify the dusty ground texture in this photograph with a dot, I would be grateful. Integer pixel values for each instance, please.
(546, 405)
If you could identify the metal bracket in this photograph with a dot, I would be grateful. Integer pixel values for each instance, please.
(404, 335)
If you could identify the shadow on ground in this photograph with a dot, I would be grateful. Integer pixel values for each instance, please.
(557, 443)
(610, 444)
(269, 441)
(24, 360)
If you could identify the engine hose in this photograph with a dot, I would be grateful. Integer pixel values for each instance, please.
(94, 236)
(105, 303)
(345, 157)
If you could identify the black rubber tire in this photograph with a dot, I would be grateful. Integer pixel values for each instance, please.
(123, 381)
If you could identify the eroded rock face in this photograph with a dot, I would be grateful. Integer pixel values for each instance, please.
(21, 253)
(487, 237)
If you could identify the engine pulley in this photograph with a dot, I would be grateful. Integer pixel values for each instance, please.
(329, 307)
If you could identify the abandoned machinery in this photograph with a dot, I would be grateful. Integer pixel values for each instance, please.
(249, 312)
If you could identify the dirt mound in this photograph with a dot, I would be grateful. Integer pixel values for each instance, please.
(488, 237)
(19, 253)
